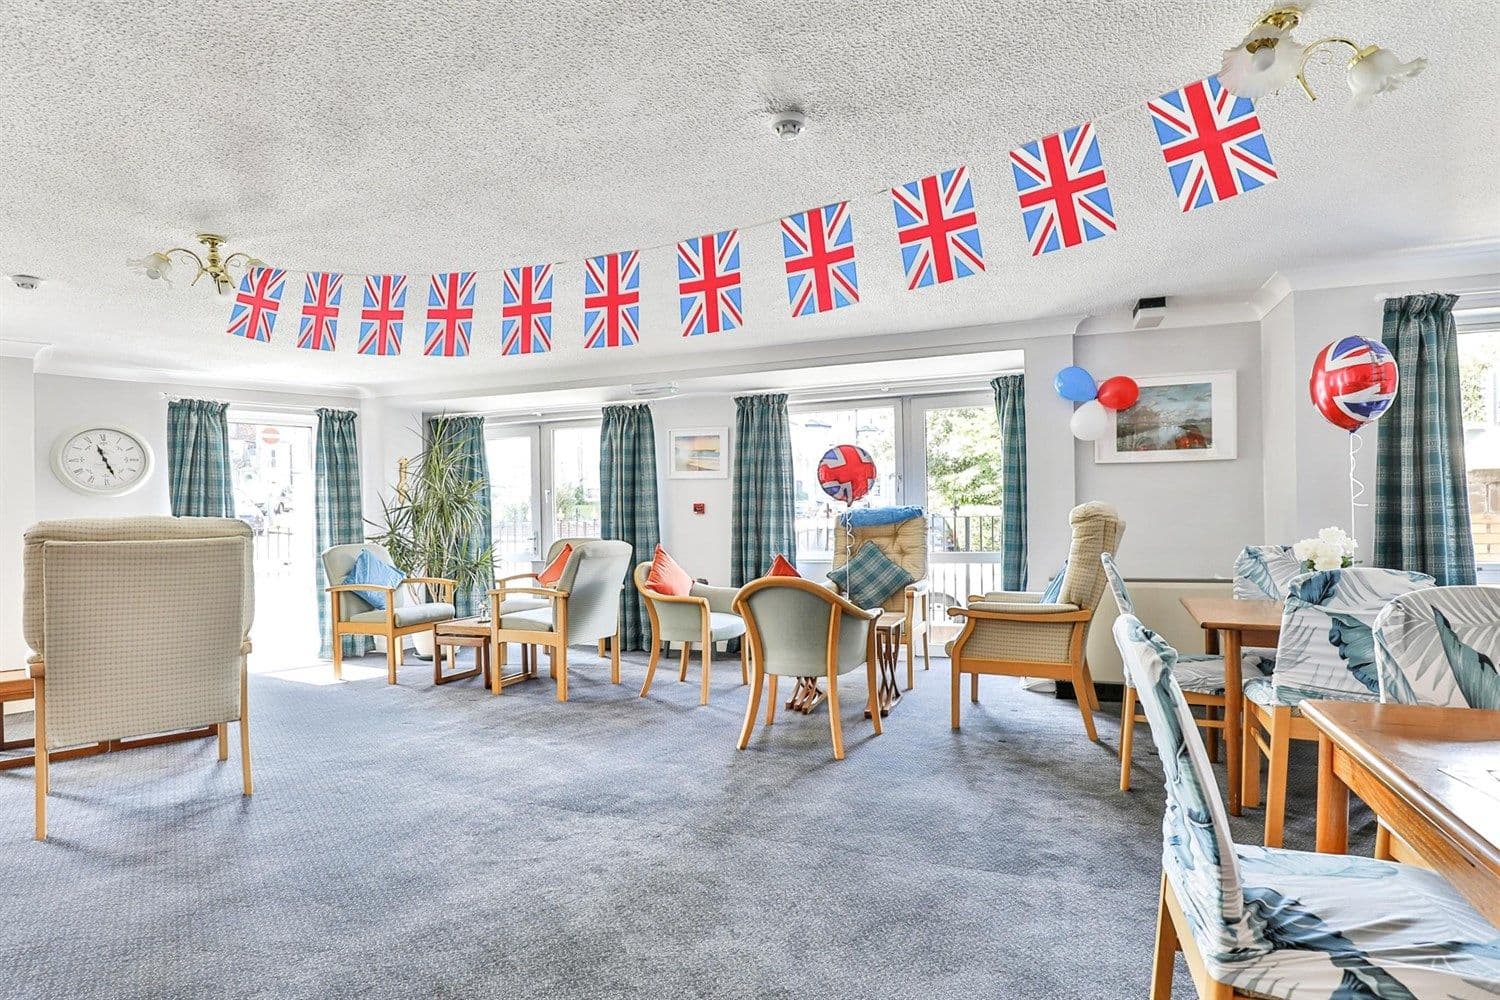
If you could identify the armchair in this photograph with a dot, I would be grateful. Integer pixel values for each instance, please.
(583, 606)
(1029, 635)
(139, 630)
(402, 615)
(705, 615)
(904, 543)
(802, 629)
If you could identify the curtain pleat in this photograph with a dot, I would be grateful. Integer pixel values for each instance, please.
(764, 519)
(1010, 411)
(627, 501)
(339, 503)
(1421, 481)
(467, 435)
(199, 480)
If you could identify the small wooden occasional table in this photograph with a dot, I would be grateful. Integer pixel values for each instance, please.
(887, 652)
(474, 633)
(1431, 774)
(1240, 624)
(15, 685)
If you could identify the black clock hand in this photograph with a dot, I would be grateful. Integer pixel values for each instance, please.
(111, 468)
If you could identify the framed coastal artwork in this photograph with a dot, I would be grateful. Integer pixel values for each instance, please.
(1179, 418)
(700, 453)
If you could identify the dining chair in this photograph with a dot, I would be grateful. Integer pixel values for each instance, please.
(1326, 650)
(1439, 647)
(704, 615)
(800, 629)
(583, 606)
(1263, 573)
(1015, 634)
(1201, 677)
(403, 614)
(904, 542)
(1256, 922)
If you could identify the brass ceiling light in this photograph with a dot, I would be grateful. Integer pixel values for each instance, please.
(158, 265)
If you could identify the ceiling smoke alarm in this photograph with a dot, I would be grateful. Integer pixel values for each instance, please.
(788, 124)
(29, 282)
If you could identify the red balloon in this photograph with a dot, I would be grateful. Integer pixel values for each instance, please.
(1119, 392)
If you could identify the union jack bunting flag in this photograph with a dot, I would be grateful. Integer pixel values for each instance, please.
(1060, 182)
(526, 310)
(382, 315)
(255, 305)
(938, 229)
(818, 248)
(709, 296)
(320, 311)
(450, 315)
(612, 299)
(1212, 143)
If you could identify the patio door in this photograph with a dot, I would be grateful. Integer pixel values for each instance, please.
(515, 497)
(544, 485)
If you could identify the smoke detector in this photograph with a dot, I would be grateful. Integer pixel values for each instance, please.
(28, 282)
(788, 124)
(1148, 313)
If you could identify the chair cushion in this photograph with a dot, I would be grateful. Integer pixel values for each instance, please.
(666, 577)
(870, 577)
(532, 620)
(781, 566)
(1054, 586)
(1347, 926)
(554, 571)
(411, 614)
(370, 568)
(513, 604)
(722, 626)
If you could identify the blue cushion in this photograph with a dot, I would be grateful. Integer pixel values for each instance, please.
(870, 577)
(1054, 587)
(370, 568)
(874, 517)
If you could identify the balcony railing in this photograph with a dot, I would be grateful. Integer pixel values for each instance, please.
(945, 533)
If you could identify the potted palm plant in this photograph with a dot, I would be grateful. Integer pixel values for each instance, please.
(429, 525)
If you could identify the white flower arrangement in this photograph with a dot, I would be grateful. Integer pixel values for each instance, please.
(1331, 549)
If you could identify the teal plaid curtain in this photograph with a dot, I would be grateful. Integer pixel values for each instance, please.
(1010, 411)
(764, 521)
(627, 502)
(340, 510)
(1421, 489)
(199, 480)
(467, 433)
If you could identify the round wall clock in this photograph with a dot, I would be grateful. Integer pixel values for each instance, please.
(102, 461)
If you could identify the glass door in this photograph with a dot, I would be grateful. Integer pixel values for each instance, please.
(515, 498)
(544, 485)
(573, 488)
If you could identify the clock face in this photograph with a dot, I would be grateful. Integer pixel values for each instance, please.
(102, 460)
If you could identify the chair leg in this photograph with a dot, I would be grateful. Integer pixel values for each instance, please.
(926, 648)
(247, 784)
(222, 731)
(338, 655)
(1083, 686)
(911, 662)
(1127, 736)
(744, 661)
(1164, 957)
(392, 646)
(1276, 778)
(561, 665)
(1211, 736)
(974, 687)
(957, 676)
(834, 725)
(651, 666)
(1383, 842)
(687, 652)
(874, 705)
(771, 703)
(1249, 761)
(614, 659)
(601, 646)
(752, 708)
(708, 653)
(42, 776)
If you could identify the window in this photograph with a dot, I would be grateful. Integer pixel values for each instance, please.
(814, 431)
(1479, 368)
(544, 485)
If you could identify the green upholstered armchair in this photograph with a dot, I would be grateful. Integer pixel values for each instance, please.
(403, 614)
(704, 615)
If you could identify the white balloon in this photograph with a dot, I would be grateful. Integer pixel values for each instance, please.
(1090, 421)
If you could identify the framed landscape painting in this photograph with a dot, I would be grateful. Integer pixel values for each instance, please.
(1179, 418)
(700, 453)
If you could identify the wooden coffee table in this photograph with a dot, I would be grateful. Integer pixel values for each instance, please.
(474, 633)
(887, 653)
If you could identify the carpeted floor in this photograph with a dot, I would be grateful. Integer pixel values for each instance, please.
(437, 842)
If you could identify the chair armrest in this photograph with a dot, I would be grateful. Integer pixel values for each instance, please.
(720, 599)
(518, 576)
(340, 588)
(920, 587)
(660, 598)
(1048, 614)
(442, 584)
(539, 591)
(1006, 597)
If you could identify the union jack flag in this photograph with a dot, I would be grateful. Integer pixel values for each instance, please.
(1212, 143)
(383, 314)
(320, 311)
(255, 305)
(450, 315)
(818, 248)
(612, 300)
(526, 310)
(1060, 182)
(938, 229)
(708, 283)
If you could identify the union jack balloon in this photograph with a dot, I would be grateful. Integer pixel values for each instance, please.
(1353, 382)
(846, 472)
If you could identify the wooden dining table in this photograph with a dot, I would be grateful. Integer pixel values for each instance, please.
(1229, 625)
(1432, 776)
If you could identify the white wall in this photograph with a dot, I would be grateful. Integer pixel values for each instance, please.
(699, 541)
(17, 498)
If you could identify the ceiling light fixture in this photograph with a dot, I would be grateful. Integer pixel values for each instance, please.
(158, 265)
(1269, 58)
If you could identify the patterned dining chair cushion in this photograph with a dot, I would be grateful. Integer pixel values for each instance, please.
(870, 577)
(1279, 923)
(1200, 673)
(1326, 648)
(1439, 647)
(1263, 572)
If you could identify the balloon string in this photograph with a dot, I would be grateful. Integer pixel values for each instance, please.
(1356, 488)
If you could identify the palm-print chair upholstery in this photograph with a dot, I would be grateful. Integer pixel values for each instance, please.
(1439, 647)
(1326, 650)
(1260, 922)
(1263, 573)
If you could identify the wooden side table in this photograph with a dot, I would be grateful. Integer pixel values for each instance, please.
(15, 685)
(887, 652)
(474, 633)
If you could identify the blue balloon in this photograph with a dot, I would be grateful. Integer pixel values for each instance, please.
(1075, 384)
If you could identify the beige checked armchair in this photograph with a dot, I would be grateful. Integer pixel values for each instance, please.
(905, 544)
(1038, 635)
(138, 627)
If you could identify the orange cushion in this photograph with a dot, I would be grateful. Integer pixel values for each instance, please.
(781, 567)
(553, 573)
(667, 577)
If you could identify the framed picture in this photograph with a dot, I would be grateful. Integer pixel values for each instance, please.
(700, 453)
(1179, 418)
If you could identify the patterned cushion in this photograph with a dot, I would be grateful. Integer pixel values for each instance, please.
(1116, 583)
(1440, 647)
(1263, 572)
(870, 577)
(370, 568)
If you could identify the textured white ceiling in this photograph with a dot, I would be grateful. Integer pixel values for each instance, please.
(368, 136)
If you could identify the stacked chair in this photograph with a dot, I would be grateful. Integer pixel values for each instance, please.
(1268, 923)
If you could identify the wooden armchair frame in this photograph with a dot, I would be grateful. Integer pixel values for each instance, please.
(388, 630)
(705, 641)
(555, 641)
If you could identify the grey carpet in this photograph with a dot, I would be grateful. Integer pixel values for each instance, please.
(437, 842)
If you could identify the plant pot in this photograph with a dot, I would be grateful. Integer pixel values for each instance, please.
(422, 644)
